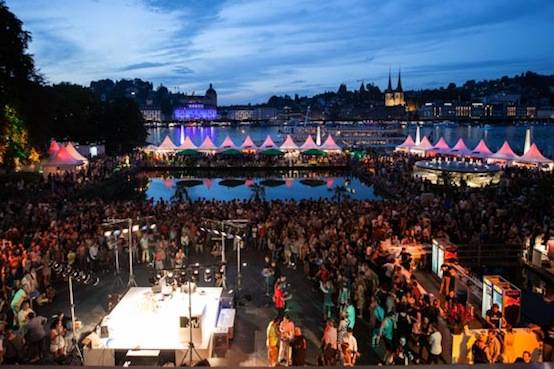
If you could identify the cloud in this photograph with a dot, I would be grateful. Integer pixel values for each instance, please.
(252, 49)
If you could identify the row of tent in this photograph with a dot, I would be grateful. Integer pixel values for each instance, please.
(208, 146)
(64, 155)
(532, 154)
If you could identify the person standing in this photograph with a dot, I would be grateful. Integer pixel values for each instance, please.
(328, 290)
(299, 346)
(435, 345)
(272, 342)
(286, 334)
(349, 346)
(279, 299)
(36, 335)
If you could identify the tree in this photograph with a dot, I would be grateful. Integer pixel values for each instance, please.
(14, 140)
(17, 68)
(123, 126)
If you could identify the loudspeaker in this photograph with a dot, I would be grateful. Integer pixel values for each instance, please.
(220, 344)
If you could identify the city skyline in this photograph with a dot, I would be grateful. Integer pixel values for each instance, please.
(251, 50)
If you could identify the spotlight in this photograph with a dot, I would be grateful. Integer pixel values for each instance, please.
(135, 228)
(195, 272)
(207, 275)
(197, 265)
(107, 233)
(169, 274)
(152, 226)
(244, 264)
(125, 230)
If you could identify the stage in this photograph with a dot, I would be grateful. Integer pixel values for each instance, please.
(146, 320)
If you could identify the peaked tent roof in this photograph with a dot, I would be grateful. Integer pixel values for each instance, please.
(534, 155)
(309, 144)
(187, 144)
(248, 143)
(330, 144)
(76, 154)
(167, 145)
(482, 150)
(228, 143)
(63, 158)
(408, 143)
(441, 146)
(53, 148)
(268, 144)
(424, 145)
(460, 148)
(207, 145)
(504, 153)
(289, 144)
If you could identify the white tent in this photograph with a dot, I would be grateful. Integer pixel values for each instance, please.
(227, 144)
(481, 150)
(187, 144)
(441, 146)
(151, 148)
(248, 144)
(289, 144)
(505, 153)
(534, 156)
(207, 145)
(406, 145)
(54, 148)
(268, 144)
(73, 152)
(309, 144)
(329, 145)
(167, 145)
(63, 158)
(423, 147)
(460, 149)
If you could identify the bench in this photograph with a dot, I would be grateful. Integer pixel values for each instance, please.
(226, 320)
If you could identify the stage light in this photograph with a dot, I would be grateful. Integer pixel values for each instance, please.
(244, 264)
(195, 272)
(144, 228)
(135, 228)
(197, 265)
(170, 275)
(125, 231)
(152, 226)
(107, 233)
(238, 237)
(207, 275)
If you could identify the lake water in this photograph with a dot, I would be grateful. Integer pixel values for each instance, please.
(494, 135)
(277, 186)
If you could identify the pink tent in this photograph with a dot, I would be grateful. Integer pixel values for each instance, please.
(309, 144)
(248, 144)
(534, 156)
(330, 145)
(481, 150)
(504, 153)
(187, 144)
(167, 145)
(268, 144)
(424, 146)
(227, 144)
(406, 145)
(63, 158)
(460, 148)
(289, 144)
(54, 148)
(441, 146)
(76, 154)
(207, 145)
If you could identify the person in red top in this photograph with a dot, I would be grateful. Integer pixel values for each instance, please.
(279, 299)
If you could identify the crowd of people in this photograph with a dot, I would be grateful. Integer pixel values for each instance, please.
(338, 246)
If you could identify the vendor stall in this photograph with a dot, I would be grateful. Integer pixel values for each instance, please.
(497, 290)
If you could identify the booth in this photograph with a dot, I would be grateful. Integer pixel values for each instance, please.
(497, 290)
(441, 252)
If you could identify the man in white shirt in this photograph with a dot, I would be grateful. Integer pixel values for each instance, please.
(435, 344)
(349, 348)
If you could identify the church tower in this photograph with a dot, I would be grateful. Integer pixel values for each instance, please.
(389, 94)
(399, 93)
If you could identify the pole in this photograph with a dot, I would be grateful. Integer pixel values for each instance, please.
(132, 282)
(73, 330)
(238, 264)
(222, 241)
(116, 249)
(191, 345)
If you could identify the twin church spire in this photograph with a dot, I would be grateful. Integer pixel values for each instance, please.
(394, 97)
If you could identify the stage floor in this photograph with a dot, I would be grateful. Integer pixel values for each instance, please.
(147, 320)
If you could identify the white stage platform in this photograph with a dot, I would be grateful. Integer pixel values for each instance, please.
(147, 320)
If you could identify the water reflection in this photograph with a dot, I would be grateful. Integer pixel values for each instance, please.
(297, 185)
